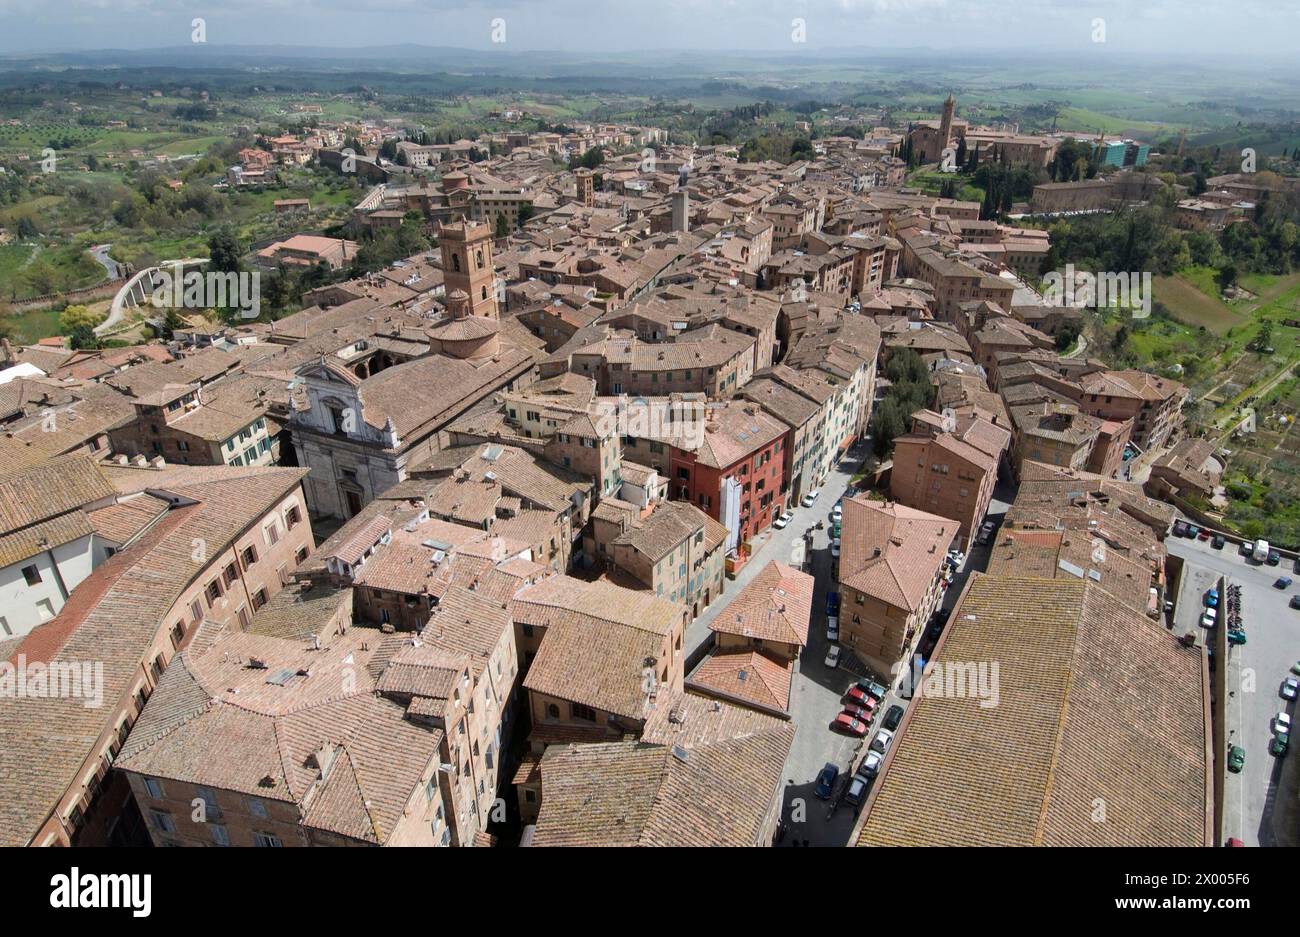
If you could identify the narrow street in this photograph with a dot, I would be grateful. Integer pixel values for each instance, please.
(817, 692)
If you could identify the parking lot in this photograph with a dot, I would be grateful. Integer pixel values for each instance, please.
(1259, 802)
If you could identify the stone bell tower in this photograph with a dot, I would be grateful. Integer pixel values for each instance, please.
(467, 269)
(945, 125)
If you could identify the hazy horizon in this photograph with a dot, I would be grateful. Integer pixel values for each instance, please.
(1162, 28)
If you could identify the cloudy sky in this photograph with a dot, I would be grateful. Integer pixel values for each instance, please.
(1214, 27)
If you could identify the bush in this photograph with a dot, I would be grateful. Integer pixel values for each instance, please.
(75, 317)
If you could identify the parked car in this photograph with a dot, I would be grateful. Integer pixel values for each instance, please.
(833, 657)
(1290, 688)
(832, 603)
(893, 716)
(1203, 535)
(1180, 528)
(873, 689)
(826, 779)
(832, 628)
(837, 512)
(835, 548)
(857, 791)
(860, 713)
(1282, 582)
(870, 705)
(1295, 567)
(1282, 724)
(1295, 601)
(1212, 598)
(1245, 549)
(1236, 636)
(849, 726)
(1273, 558)
(1233, 841)
(1295, 668)
(1192, 531)
(1278, 746)
(1208, 619)
(870, 766)
(783, 520)
(1218, 541)
(856, 694)
(1236, 759)
(881, 742)
(810, 497)
(934, 631)
(941, 615)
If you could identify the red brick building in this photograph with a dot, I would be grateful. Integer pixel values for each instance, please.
(737, 473)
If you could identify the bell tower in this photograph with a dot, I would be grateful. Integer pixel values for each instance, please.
(945, 125)
(467, 269)
(585, 186)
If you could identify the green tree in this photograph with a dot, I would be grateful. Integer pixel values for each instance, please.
(1226, 276)
(83, 337)
(224, 252)
(1264, 337)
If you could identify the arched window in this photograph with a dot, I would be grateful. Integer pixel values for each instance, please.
(553, 711)
(478, 259)
(455, 262)
(485, 292)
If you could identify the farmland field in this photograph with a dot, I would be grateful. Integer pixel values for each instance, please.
(1185, 296)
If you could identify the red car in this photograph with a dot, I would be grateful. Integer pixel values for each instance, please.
(850, 726)
(860, 713)
(1203, 535)
(858, 695)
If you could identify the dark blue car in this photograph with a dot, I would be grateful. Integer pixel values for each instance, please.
(832, 603)
(826, 781)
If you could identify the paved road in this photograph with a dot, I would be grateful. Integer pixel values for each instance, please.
(817, 694)
(1254, 810)
(100, 253)
(784, 546)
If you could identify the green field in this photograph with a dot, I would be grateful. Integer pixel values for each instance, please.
(30, 327)
(1192, 296)
(932, 180)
